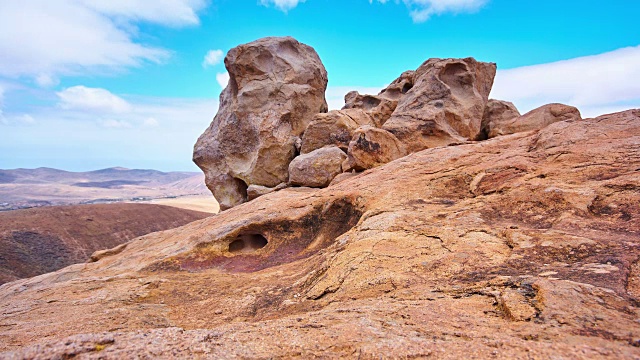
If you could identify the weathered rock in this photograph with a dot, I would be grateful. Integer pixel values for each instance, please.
(443, 103)
(496, 115)
(342, 177)
(379, 108)
(255, 191)
(317, 168)
(371, 147)
(535, 119)
(333, 128)
(403, 259)
(276, 86)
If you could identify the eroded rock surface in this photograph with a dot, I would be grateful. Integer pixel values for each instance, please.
(276, 86)
(333, 128)
(317, 168)
(497, 113)
(524, 246)
(442, 103)
(371, 147)
(534, 120)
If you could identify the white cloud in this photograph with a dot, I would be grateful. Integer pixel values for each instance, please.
(46, 80)
(595, 84)
(150, 122)
(115, 124)
(45, 39)
(283, 5)
(92, 99)
(422, 10)
(212, 58)
(222, 79)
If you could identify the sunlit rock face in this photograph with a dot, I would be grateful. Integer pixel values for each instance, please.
(276, 86)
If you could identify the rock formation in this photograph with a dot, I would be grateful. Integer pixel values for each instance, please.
(522, 246)
(496, 114)
(333, 128)
(276, 86)
(443, 104)
(317, 168)
(371, 147)
(533, 120)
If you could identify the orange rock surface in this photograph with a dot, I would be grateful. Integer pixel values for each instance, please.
(522, 246)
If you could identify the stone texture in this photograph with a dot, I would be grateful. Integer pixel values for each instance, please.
(379, 108)
(442, 103)
(526, 246)
(255, 191)
(496, 114)
(333, 128)
(371, 147)
(535, 119)
(276, 86)
(317, 168)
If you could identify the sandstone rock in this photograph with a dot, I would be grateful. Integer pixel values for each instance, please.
(333, 128)
(276, 86)
(255, 191)
(442, 105)
(535, 119)
(496, 115)
(379, 108)
(342, 177)
(403, 259)
(317, 168)
(371, 147)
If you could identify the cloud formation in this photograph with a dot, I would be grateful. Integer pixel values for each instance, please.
(92, 99)
(79, 36)
(213, 58)
(596, 84)
(283, 5)
(423, 10)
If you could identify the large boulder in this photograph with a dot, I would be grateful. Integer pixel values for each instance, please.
(496, 114)
(371, 147)
(535, 119)
(442, 103)
(333, 128)
(317, 168)
(276, 85)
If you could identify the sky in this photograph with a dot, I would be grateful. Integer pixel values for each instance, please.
(89, 84)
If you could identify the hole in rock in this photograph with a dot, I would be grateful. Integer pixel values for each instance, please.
(248, 243)
(291, 236)
(407, 87)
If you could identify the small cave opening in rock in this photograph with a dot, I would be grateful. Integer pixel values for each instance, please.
(248, 243)
(406, 88)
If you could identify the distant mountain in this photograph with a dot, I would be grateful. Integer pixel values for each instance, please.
(36, 241)
(48, 175)
(25, 188)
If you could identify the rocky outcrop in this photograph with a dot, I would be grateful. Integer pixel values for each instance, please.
(317, 168)
(524, 246)
(497, 113)
(371, 147)
(333, 128)
(442, 105)
(534, 120)
(276, 86)
(379, 108)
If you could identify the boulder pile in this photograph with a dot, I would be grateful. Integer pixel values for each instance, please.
(273, 130)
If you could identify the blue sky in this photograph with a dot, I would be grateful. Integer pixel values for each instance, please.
(86, 84)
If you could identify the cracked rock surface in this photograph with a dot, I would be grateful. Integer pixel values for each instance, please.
(521, 246)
